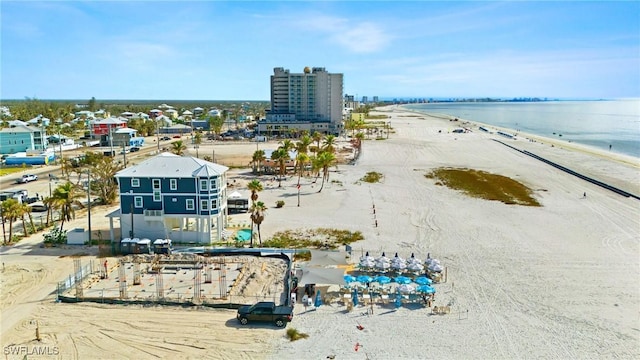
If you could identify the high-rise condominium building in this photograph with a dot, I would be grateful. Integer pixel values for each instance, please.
(311, 100)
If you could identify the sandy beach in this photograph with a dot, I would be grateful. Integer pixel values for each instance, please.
(556, 281)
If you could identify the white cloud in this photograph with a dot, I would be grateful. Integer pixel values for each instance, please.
(362, 38)
(353, 36)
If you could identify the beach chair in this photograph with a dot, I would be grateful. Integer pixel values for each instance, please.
(366, 297)
(346, 298)
(384, 298)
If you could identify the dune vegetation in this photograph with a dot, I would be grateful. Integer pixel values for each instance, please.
(484, 185)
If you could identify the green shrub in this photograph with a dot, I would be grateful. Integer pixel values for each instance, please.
(294, 334)
(55, 237)
(372, 177)
(279, 203)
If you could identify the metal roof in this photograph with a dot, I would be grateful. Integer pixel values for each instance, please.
(168, 165)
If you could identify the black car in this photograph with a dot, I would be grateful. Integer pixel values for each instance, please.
(134, 149)
(165, 138)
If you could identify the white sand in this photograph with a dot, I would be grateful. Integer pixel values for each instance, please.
(557, 281)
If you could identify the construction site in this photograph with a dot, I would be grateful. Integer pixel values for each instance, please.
(222, 280)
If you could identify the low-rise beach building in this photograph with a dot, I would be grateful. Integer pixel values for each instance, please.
(172, 197)
(22, 138)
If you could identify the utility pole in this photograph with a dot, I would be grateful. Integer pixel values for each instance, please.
(157, 134)
(124, 154)
(111, 140)
(60, 143)
(89, 202)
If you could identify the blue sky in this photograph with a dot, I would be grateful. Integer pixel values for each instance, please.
(214, 50)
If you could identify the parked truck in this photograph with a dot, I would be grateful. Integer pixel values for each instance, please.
(265, 311)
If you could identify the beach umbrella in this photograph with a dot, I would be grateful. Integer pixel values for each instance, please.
(363, 279)
(398, 264)
(415, 267)
(382, 279)
(349, 279)
(354, 296)
(426, 289)
(383, 258)
(423, 280)
(318, 301)
(398, 301)
(406, 288)
(382, 265)
(402, 280)
(414, 260)
(367, 264)
(435, 267)
(366, 257)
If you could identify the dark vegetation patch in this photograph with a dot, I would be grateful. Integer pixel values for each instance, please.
(321, 238)
(372, 177)
(484, 185)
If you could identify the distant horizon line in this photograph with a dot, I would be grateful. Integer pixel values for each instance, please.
(380, 98)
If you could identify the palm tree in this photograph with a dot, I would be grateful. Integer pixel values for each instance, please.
(317, 137)
(49, 202)
(255, 186)
(281, 156)
(324, 161)
(301, 160)
(10, 212)
(25, 209)
(287, 145)
(302, 146)
(102, 180)
(257, 216)
(328, 144)
(197, 140)
(258, 158)
(178, 148)
(65, 198)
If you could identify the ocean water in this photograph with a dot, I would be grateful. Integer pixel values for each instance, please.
(594, 123)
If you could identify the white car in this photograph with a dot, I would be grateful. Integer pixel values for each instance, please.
(27, 178)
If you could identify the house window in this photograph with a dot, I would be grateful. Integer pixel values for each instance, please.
(135, 182)
(203, 184)
(156, 184)
(214, 204)
(204, 205)
(156, 196)
(190, 204)
(214, 184)
(173, 184)
(137, 201)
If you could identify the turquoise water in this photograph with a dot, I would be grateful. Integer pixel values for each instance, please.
(243, 235)
(595, 123)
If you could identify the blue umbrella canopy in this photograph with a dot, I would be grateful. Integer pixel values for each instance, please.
(426, 289)
(382, 279)
(354, 296)
(363, 279)
(398, 302)
(349, 278)
(318, 301)
(402, 280)
(423, 280)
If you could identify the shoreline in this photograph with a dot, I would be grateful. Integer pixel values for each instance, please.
(613, 155)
